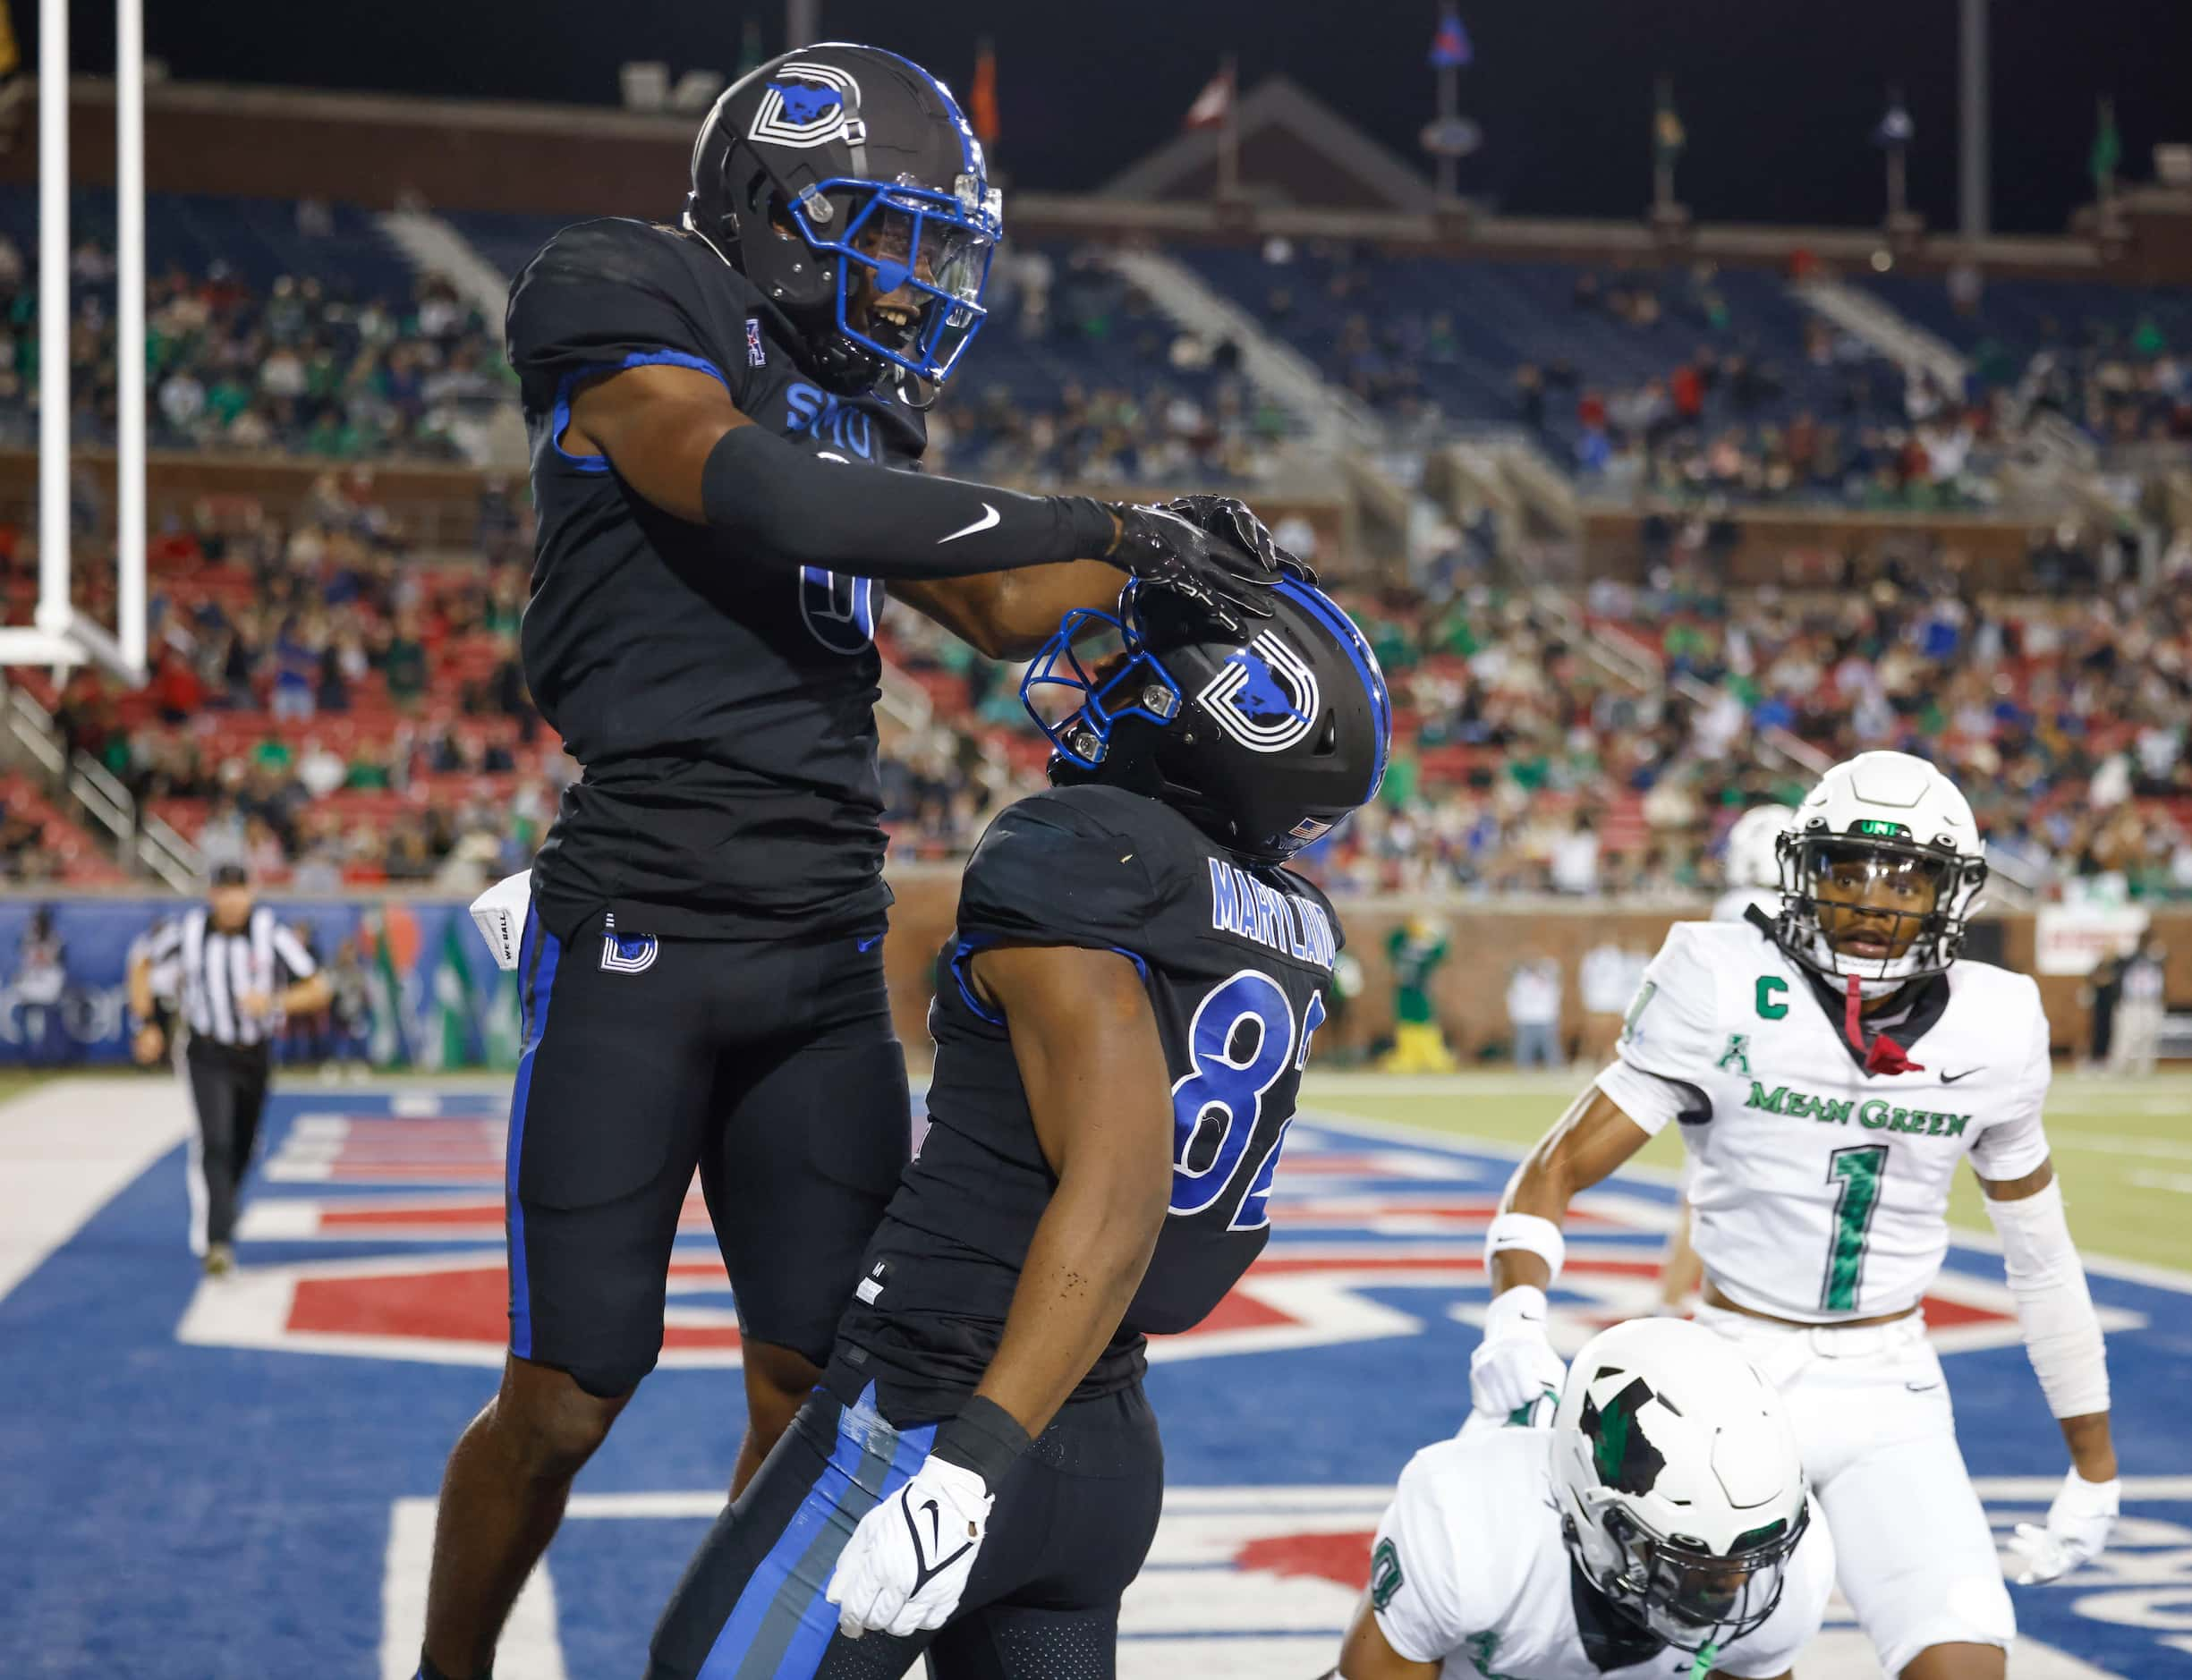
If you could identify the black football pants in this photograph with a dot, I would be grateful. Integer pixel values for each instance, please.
(1071, 1525)
(228, 1087)
(767, 1066)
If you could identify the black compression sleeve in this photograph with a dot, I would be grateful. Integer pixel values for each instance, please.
(780, 501)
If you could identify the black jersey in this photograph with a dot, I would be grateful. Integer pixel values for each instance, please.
(724, 711)
(1236, 960)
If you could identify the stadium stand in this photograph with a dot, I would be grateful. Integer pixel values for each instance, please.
(2109, 359)
(335, 700)
(294, 327)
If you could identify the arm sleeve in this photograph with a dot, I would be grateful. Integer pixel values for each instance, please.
(2055, 1306)
(1415, 1579)
(2016, 1144)
(165, 944)
(789, 503)
(1667, 1033)
(607, 295)
(293, 956)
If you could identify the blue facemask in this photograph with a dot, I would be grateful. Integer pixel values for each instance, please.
(952, 235)
(1140, 687)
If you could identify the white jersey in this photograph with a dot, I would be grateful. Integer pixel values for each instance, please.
(1469, 1572)
(1820, 1192)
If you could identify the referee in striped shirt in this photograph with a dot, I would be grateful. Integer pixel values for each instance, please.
(237, 972)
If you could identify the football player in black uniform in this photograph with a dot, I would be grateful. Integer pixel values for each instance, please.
(1136, 982)
(700, 970)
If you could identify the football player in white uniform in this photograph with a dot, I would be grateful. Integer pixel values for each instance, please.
(1831, 1068)
(1751, 866)
(1751, 874)
(1665, 1508)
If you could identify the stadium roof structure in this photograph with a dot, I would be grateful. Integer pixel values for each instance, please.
(1294, 150)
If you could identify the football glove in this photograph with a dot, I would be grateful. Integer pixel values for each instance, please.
(2075, 1532)
(1229, 516)
(1514, 1364)
(1214, 572)
(907, 1563)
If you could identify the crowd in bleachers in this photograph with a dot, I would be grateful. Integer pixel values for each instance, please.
(2064, 719)
(332, 705)
(337, 359)
(1078, 380)
(2115, 360)
(334, 701)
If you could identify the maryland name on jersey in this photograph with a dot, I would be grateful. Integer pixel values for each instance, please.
(1820, 1189)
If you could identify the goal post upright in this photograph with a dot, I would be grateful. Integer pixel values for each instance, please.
(58, 634)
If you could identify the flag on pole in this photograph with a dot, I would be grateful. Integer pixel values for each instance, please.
(2107, 147)
(384, 991)
(449, 1041)
(982, 103)
(1667, 138)
(1449, 48)
(1214, 103)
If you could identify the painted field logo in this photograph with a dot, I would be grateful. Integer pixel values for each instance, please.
(1873, 1114)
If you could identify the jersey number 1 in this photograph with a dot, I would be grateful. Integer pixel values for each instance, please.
(1860, 1171)
(1216, 1108)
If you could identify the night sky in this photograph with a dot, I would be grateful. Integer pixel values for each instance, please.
(1779, 99)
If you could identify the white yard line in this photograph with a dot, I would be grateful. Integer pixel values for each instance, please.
(67, 1148)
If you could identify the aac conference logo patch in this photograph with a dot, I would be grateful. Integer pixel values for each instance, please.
(1264, 696)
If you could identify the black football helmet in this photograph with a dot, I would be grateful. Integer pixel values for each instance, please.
(1265, 736)
(836, 159)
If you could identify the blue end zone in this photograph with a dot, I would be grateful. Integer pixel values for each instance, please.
(173, 1503)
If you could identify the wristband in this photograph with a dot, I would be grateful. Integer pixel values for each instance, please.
(985, 1438)
(1526, 1231)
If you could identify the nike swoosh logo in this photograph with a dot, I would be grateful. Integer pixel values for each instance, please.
(1951, 1079)
(989, 516)
(925, 1570)
(865, 944)
(1921, 1388)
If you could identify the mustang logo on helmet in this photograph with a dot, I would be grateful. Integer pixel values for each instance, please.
(1265, 696)
(808, 105)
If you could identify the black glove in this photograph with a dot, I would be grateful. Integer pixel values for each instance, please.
(1231, 517)
(1211, 571)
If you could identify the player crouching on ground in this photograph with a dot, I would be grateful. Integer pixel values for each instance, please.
(1137, 982)
(1823, 1148)
(1665, 1508)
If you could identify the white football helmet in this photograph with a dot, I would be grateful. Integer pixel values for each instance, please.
(1883, 829)
(1677, 1479)
(1754, 856)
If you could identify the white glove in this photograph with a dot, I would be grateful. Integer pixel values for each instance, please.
(1514, 1366)
(500, 913)
(2077, 1529)
(907, 1563)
